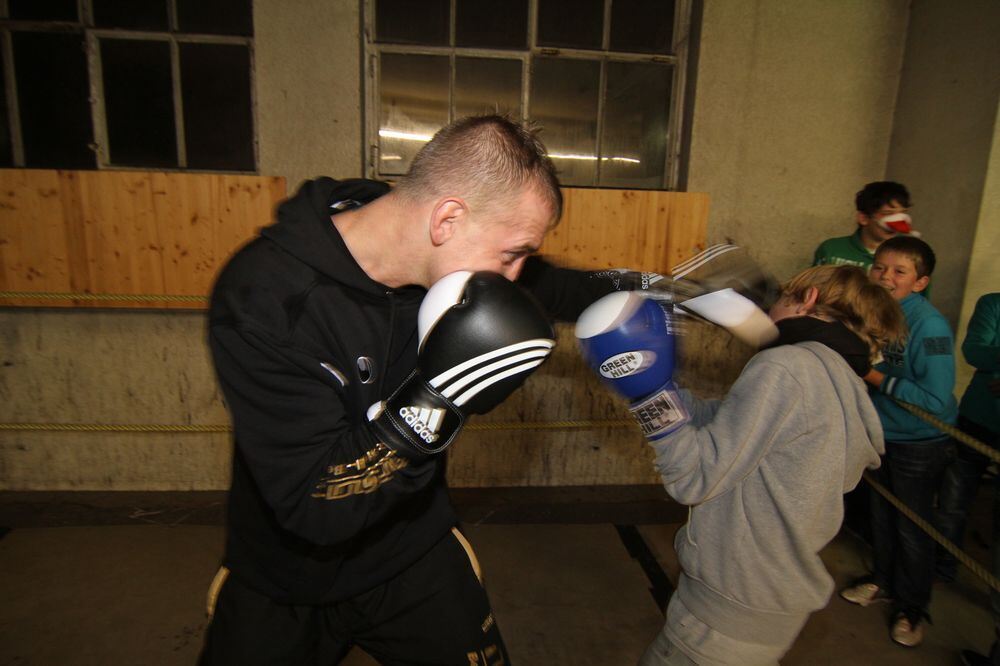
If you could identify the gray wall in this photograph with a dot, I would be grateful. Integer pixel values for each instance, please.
(943, 131)
(793, 113)
(794, 110)
(308, 81)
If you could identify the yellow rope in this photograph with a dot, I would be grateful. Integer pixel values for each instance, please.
(957, 434)
(163, 428)
(949, 429)
(74, 296)
(973, 566)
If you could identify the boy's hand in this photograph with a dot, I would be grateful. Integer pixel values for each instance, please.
(874, 377)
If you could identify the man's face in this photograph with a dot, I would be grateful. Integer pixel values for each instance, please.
(897, 273)
(501, 242)
(871, 231)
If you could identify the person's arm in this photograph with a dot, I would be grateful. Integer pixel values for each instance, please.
(874, 377)
(323, 473)
(564, 292)
(981, 347)
(699, 463)
(701, 410)
(931, 363)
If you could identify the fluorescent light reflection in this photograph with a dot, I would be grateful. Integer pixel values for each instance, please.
(424, 138)
(405, 136)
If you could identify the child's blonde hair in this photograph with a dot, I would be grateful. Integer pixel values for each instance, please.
(847, 295)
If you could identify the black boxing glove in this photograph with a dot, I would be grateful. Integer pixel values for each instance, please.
(480, 337)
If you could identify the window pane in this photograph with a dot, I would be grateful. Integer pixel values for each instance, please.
(570, 23)
(409, 22)
(139, 102)
(564, 101)
(52, 93)
(642, 26)
(636, 113)
(218, 121)
(487, 85)
(491, 24)
(6, 150)
(42, 10)
(414, 105)
(131, 14)
(216, 17)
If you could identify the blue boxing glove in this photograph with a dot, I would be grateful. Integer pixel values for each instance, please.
(629, 342)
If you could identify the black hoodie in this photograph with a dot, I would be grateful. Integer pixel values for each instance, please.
(303, 342)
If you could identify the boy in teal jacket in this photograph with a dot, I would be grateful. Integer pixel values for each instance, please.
(921, 372)
(978, 416)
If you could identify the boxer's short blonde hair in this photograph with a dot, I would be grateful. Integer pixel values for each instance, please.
(486, 159)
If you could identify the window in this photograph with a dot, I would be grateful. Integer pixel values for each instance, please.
(93, 84)
(603, 78)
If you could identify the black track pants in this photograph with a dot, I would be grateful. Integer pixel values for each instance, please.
(435, 612)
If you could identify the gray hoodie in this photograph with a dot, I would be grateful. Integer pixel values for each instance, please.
(764, 471)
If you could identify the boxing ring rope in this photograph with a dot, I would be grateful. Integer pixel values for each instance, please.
(138, 427)
(959, 554)
(975, 567)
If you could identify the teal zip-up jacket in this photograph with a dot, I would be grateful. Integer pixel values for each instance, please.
(981, 349)
(920, 371)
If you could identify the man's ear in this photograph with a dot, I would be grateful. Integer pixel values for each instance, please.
(922, 283)
(446, 215)
(862, 219)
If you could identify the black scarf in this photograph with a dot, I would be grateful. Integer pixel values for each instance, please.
(833, 334)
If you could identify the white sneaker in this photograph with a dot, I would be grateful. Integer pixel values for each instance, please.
(906, 632)
(864, 594)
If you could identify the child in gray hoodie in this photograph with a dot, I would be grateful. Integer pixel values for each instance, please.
(764, 471)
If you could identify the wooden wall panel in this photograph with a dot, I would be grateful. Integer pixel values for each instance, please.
(154, 234)
(639, 229)
(124, 232)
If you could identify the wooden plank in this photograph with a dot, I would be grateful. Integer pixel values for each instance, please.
(33, 245)
(125, 232)
(638, 229)
(153, 233)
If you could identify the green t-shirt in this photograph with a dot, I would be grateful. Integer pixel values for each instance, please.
(844, 250)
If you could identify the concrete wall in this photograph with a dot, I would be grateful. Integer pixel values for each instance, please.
(108, 367)
(984, 269)
(943, 131)
(793, 112)
(308, 82)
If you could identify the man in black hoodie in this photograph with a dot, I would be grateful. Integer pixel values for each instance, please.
(332, 539)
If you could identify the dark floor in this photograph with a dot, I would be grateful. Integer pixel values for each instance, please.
(576, 577)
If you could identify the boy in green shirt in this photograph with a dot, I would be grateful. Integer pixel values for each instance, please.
(881, 214)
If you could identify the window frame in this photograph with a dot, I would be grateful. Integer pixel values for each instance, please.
(98, 116)
(372, 52)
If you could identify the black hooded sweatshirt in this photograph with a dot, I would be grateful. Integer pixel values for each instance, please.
(303, 342)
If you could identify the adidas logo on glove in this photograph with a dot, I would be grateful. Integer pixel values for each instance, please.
(424, 422)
